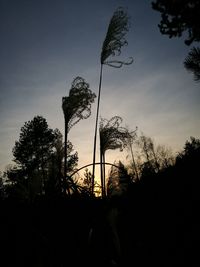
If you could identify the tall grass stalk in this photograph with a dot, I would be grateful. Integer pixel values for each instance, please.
(113, 42)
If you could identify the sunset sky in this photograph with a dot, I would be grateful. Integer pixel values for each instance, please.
(45, 44)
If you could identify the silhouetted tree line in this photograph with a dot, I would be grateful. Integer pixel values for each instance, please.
(146, 220)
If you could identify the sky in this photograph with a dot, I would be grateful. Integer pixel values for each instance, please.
(45, 44)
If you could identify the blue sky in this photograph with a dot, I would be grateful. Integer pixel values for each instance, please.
(45, 44)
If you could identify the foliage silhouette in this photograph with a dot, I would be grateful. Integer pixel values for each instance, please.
(32, 152)
(191, 149)
(39, 158)
(2, 187)
(35, 144)
(76, 107)
(55, 165)
(152, 158)
(113, 42)
(192, 62)
(141, 223)
(131, 138)
(112, 136)
(87, 181)
(119, 181)
(178, 17)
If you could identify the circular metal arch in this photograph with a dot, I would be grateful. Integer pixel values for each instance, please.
(91, 164)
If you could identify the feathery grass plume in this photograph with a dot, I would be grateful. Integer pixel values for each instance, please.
(192, 62)
(115, 38)
(76, 107)
(114, 41)
(112, 136)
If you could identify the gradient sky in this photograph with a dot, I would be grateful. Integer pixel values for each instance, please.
(45, 44)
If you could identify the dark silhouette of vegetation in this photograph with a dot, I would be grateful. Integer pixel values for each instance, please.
(178, 17)
(2, 187)
(192, 62)
(85, 185)
(87, 181)
(150, 158)
(39, 161)
(76, 107)
(114, 41)
(145, 214)
(118, 181)
(147, 147)
(131, 138)
(140, 222)
(112, 136)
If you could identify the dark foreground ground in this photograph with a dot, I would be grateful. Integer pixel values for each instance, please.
(154, 223)
(154, 229)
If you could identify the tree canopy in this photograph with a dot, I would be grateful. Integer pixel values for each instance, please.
(178, 16)
(192, 62)
(35, 144)
(39, 157)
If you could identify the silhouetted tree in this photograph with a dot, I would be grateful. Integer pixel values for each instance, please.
(34, 147)
(86, 184)
(192, 62)
(118, 181)
(87, 180)
(149, 158)
(144, 144)
(39, 157)
(130, 139)
(114, 41)
(21, 185)
(150, 165)
(191, 149)
(182, 178)
(178, 17)
(55, 164)
(76, 107)
(2, 187)
(187, 167)
(165, 157)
